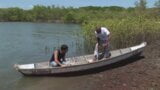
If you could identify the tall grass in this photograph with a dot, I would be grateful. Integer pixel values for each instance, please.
(124, 32)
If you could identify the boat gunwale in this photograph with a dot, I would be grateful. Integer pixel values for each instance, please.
(106, 60)
(98, 61)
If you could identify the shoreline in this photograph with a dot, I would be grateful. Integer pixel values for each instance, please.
(142, 74)
(56, 22)
(37, 22)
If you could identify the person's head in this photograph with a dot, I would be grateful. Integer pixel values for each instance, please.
(64, 48)
(98, 30)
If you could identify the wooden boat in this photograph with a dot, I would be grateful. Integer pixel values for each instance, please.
(80, 63)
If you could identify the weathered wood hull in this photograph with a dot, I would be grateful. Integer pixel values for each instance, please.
(44, 68)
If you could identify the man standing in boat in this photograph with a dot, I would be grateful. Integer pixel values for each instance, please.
(102, 35)
(58, 57)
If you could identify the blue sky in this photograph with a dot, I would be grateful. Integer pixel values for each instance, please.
(27, 4)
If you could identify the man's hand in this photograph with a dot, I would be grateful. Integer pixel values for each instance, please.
(105, 45)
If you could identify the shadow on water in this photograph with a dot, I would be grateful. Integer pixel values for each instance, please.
(100, 69)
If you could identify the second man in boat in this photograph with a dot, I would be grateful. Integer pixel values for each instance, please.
(103, 36)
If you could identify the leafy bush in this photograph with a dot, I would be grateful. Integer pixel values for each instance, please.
(124, 32)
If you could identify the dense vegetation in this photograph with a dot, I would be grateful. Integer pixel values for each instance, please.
(52, 14)
(127, 25)
(125, 32)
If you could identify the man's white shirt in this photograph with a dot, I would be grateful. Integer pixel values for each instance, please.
(104, 34)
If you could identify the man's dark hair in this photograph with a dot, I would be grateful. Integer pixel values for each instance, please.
(98, 29)
(64, 47)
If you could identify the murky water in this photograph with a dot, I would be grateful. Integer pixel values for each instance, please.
(33, 42)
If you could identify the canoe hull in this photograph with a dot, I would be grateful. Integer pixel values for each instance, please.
(83, 67)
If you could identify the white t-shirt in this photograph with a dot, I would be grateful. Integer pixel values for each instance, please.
(104, 34)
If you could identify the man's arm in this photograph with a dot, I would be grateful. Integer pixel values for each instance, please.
(98, 40)
(108, 38)
(56, 58)
(64, 58)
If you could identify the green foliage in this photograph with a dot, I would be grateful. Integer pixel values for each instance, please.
(12, 14)
(128, 25)
(124, 32)
(141, 6)
(41, 13)
(157, 7)
(69, 17)
(157, 4)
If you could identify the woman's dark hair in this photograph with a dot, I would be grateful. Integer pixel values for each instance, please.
(64, 47)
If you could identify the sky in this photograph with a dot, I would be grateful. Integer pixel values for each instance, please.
(28, 4)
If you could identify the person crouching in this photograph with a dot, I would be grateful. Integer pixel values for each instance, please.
(58, 56)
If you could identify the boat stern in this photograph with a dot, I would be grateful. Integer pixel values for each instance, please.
(25, 69)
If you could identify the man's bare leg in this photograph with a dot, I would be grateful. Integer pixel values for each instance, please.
(107, 52)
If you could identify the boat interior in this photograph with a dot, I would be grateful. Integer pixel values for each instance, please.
(80, 60)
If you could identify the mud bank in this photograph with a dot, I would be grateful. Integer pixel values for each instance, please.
(141, 73)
